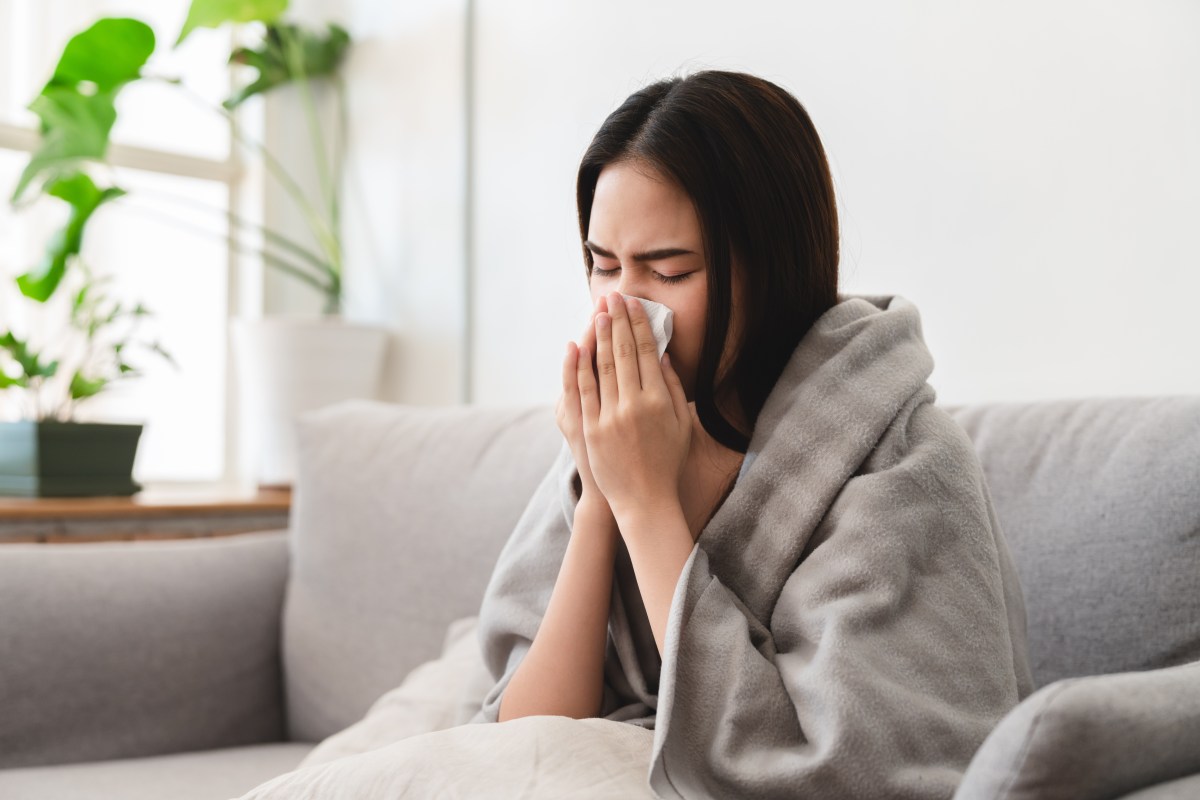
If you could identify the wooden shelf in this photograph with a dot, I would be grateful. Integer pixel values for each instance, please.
(154, 513)
(148, 503)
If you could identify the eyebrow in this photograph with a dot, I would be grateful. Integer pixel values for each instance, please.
(649, 255)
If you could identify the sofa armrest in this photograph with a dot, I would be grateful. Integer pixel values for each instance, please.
(1100, 736)
(123, 649)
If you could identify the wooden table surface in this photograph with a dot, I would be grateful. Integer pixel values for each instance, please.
(155, 512)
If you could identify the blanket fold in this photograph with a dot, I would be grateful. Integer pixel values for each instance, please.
(849, 622)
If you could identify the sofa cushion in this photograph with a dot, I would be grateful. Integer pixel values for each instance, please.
(399, 514)
(438, 694)
(199, 775)
(1098, 501)
(541, 757)
(133, 649)
(1092, 738)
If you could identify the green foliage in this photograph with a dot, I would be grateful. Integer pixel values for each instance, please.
(287, 53)
(84, 197)
(109, 331)
(92, 312)
(215, 13)
(29, 362)
(76, 106)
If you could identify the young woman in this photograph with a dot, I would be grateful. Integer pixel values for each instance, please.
(770, 547)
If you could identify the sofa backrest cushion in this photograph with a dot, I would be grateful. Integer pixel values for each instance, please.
(399, 515)
(1099, 499)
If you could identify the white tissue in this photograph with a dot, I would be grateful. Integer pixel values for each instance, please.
(660, 321)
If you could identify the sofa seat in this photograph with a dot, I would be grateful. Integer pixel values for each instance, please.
(198, 775)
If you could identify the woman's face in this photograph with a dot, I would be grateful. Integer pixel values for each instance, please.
(644, 236)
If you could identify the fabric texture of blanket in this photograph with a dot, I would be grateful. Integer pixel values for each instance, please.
(849, 623)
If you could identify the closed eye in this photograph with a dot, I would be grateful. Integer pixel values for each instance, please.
(604, 273)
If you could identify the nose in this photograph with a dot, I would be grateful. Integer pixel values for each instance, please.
(632, 286)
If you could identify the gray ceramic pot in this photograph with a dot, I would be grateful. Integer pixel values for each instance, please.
(67, 459)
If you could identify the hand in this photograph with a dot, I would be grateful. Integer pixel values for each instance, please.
(569, 412)
(636, 423)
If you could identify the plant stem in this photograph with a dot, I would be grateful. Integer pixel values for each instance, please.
(343, 119)
(240, 222)
(292, 51)
(270, 258)
(325, 237)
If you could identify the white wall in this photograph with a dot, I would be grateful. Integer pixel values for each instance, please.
(1027, 173)
(403, 200)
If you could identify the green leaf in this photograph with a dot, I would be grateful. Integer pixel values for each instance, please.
(319, 55)
(76, 106)
(158, 348)
(82, 387)
(75, 128)
(29, 362)
(215, 13)
(81, 193)
(6, 381)
(109, 54)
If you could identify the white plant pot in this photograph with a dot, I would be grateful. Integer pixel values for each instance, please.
(286, 365)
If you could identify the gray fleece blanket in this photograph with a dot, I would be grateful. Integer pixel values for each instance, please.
(848, 625)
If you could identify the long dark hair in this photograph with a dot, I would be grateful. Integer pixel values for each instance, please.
(747, 154)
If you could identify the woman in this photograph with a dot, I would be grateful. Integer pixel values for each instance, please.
(770, 547)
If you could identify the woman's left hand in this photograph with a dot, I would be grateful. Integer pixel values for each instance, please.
(636, 421)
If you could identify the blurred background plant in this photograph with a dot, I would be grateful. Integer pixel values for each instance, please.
(103, 332)
(288, 54)
(76, 110)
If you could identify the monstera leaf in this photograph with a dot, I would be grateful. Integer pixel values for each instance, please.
(76, 106)
(286, 53)
(84, 197)
(215, 13)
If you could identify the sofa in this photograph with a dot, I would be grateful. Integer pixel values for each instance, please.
(197, 669)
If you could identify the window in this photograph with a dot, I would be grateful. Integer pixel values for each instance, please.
(166, 244)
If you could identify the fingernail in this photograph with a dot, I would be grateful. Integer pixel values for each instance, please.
(602, 321)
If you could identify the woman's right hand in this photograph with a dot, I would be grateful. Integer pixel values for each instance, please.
(569, 412)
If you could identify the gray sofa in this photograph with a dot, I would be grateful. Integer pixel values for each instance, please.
(200, 668)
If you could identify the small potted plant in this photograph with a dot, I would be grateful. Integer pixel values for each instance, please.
(48, 453)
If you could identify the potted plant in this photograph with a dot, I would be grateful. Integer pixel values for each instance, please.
(285, 365)
(290, 364)
(48, 453)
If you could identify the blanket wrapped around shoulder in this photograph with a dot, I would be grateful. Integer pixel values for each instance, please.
(848, 624)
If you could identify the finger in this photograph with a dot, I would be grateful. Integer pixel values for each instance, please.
(601, 305)
(624, 347)
(585, 379)
(570, 381)
(647, 348)
(606, 368)
(675, 386)
(589, 328)
(569, 384)
(588, 339)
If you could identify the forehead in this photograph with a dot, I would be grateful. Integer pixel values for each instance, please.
(636, 207)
